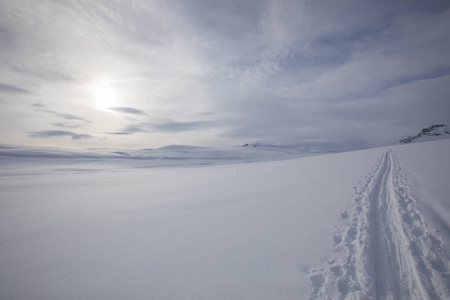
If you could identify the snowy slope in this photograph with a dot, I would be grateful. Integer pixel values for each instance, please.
(348, 226)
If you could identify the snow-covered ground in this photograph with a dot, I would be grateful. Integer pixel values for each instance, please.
(370, 224)
(174, 155)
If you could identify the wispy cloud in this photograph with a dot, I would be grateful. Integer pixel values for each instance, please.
(59, 133)
(39, 105)
(129, 110)
(12, 89)
(65, 125)
(120, 133)
(71, 117)
(181, 126)
(165, 127)
(130, 130)
(43, 108)
(135, 128)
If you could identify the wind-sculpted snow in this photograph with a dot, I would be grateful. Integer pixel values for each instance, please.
(386, 250)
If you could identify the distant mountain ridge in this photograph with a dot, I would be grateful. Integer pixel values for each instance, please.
(434, 132)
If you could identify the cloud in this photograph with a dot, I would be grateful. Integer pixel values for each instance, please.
(165, 127)
(181, 126)
(43, 108)
(39, 105)
(70, 116)
(131, 129)
(50, 72)
(59, 133)
(65, 125)
(128, 110)
(12, 89)
(120, 133)
(272, 71)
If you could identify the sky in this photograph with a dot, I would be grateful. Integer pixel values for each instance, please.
(338, 75)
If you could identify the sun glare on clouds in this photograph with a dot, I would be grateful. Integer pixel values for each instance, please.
(104, 96)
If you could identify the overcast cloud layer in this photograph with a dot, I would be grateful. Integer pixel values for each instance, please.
(341, 74)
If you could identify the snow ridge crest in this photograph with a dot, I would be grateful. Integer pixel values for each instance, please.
(434, 132)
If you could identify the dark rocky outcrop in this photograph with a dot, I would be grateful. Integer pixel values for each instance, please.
(436, 130)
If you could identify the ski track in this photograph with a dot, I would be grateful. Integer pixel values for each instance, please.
(385, 250)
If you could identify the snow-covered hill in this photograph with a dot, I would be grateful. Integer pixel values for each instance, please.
(432, 133)
(370, 224)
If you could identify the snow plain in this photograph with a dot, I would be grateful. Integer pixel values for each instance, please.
(372, 224)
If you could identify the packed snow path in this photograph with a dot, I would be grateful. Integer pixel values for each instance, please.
(388, 252)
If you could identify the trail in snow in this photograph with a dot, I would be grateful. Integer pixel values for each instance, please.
(386, 250)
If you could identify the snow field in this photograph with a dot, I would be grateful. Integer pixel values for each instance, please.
(292, 229)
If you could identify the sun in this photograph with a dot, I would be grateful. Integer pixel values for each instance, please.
(104, 96)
